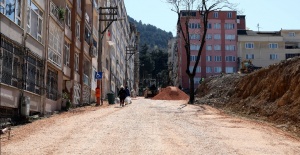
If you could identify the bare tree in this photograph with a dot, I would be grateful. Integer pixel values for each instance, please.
(203, 8)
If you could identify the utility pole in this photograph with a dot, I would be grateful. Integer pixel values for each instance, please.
(106, 14)
(129, 50)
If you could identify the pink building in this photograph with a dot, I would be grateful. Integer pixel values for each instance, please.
(220, 51)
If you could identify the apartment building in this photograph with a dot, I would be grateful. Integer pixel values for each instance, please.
(49, 53)
(22, 54)
(173, 62)
(265, 48)
(220, 52)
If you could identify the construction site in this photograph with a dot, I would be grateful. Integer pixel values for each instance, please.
(269, 94)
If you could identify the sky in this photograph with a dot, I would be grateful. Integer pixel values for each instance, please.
(271, 15)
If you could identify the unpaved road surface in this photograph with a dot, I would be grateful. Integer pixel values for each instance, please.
(148, 127)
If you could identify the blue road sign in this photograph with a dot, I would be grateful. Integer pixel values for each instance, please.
(98, 75)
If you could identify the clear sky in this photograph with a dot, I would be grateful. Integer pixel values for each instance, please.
(272, 15)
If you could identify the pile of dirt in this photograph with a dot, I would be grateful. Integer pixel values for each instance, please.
(171, 93)
(270, 94)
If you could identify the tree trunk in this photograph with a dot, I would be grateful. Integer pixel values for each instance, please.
(192, 94)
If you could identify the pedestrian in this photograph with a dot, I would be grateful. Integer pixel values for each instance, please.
(127, 91)
(122, 95)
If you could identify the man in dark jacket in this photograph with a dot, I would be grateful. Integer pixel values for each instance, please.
(122, 95)
(127, 91)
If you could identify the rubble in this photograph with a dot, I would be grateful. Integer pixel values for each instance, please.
(271, 94)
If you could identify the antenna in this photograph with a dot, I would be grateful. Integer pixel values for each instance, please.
(258, 27)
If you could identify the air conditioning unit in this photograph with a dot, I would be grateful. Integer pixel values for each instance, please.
(93, 51)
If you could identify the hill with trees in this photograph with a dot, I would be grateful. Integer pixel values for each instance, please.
(153, 53)
(151, 35)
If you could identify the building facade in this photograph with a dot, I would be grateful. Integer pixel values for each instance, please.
(49, 53)
(268, 47)
(220, 52)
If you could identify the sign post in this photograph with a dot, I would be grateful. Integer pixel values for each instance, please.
(98, 76)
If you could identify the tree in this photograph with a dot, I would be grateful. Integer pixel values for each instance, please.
(203, 8)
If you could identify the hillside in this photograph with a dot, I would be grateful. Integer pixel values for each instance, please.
(151, 35)
(271, 94)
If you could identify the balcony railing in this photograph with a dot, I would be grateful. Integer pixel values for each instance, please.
(58, 13)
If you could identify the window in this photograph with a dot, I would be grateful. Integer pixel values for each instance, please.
(10, 67)
(208, 58)
(230, 69)
(68, 17)
(216, 14)
(77, 31)
(193, 57)
(217, 69)
(209, 47)
(230, 47)
(52, 84)
(55, 43)
(292, 34)
(11, 9)
(249, 45)
(229, 36)
(229, 26)
(195, 36)
(209, 26)
(217, 36)
(35, 21)
(67, 54)
(76, 62)
(273, 45)
(273, 56)
(194, 25)
(188, 13)
(2, 6)
(249, 56)
(79, 4)
(217, 47)
(229, 15)
(191, 69)
(195, 47)
(218, 58)
(198, 69)
(217, 26)
(208, 69)
(230, 58)
(208, 37)
(33, 74)
(196, 80)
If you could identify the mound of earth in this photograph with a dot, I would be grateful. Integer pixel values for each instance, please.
(271, 94)
(171, 93)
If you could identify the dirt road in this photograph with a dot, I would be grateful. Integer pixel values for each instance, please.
(147, 127)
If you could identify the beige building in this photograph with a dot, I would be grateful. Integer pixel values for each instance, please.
(267, 48)
(49, 53)
(173, 62)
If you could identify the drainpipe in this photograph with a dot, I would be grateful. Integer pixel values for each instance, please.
(46, 34)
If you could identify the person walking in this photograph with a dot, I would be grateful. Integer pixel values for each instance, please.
(127, 91)
(122, 95)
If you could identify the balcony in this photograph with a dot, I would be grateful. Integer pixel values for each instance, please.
(58, 13)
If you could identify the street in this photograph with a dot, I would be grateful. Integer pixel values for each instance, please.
(147, 127)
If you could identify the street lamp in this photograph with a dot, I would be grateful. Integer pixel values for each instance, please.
(106, 14)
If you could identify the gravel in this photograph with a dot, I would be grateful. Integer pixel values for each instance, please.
(147, 127)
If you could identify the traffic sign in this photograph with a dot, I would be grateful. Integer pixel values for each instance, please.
(98, 75)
